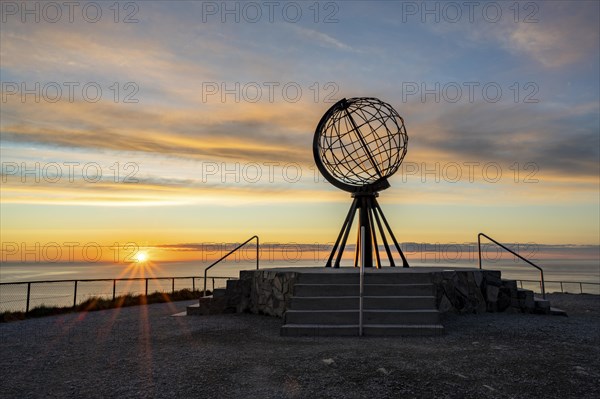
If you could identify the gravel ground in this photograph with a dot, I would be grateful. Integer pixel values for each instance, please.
(143, 352)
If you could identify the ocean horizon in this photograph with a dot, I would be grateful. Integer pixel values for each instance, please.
(12, 297)
(584, 270)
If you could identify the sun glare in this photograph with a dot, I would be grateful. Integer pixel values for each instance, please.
(141, 257)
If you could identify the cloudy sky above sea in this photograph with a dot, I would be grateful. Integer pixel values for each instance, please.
(169, 123)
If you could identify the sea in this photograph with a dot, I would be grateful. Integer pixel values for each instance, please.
(53, 284)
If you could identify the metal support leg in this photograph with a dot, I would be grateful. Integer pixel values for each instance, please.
(383, 238)
(343, 233)
(357, 249)
(367, 242)
(387, 225)
(345, 239)
(373, 232)
(369, 213)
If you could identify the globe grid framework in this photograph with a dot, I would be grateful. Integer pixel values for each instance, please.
(359, 143)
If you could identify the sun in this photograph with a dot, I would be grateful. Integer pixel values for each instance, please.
(141, 257)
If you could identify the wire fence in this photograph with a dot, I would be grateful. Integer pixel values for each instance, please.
(567, 287)
(23, 296)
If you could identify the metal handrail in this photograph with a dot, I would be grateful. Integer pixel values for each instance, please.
(229, 253)
(98, 279)
(580, 283)
(515, 254)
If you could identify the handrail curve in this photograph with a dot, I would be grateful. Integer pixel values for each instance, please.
(514, 253)
(229, 253)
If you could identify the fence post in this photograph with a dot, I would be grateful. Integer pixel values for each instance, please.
(581, 288)
(75, 295)
(193, 284)
(28, 296)
(146, 287)
(114, 289)
(561, 287)
(173, 286)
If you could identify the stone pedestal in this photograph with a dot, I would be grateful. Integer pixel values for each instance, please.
(460, 290)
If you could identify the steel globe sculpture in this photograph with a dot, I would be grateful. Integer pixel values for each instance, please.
(359, 143)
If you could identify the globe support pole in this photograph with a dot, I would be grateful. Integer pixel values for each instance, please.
(369, 215)
(364, 224)
(378, 208)
(343, 233)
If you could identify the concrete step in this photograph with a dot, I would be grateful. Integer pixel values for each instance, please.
(371, 277)
(232, 284)
(371, 316)
(209, 305)
(369, 302)
(298, 330)
(512, 284)
(193, 310)
(312, 290)
(557, 312)
(526, 299)
(219, 293)
(542, 306)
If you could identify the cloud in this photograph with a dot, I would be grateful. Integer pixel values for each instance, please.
(55, 52)
(321, 39)
(555, 34)
(565, 34)
(170, 55)
(562, 140)
(256, 132)
(154, 191)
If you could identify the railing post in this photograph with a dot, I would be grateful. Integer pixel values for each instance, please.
(543, 284)
(479, 247)
(561, 287)
(257, 252)
(581, 288)
(114, 289)
(146, 286)
(213, 284)
(362, 281)
(193, 284)
(75, 295)
(28, 297)
(173, 286)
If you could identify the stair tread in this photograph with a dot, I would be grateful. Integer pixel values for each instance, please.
(357, 284)
(367, 296)
(340, 326)
(364, 310)
(404, 325)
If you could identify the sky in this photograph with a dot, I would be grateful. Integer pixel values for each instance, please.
(172, 124)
